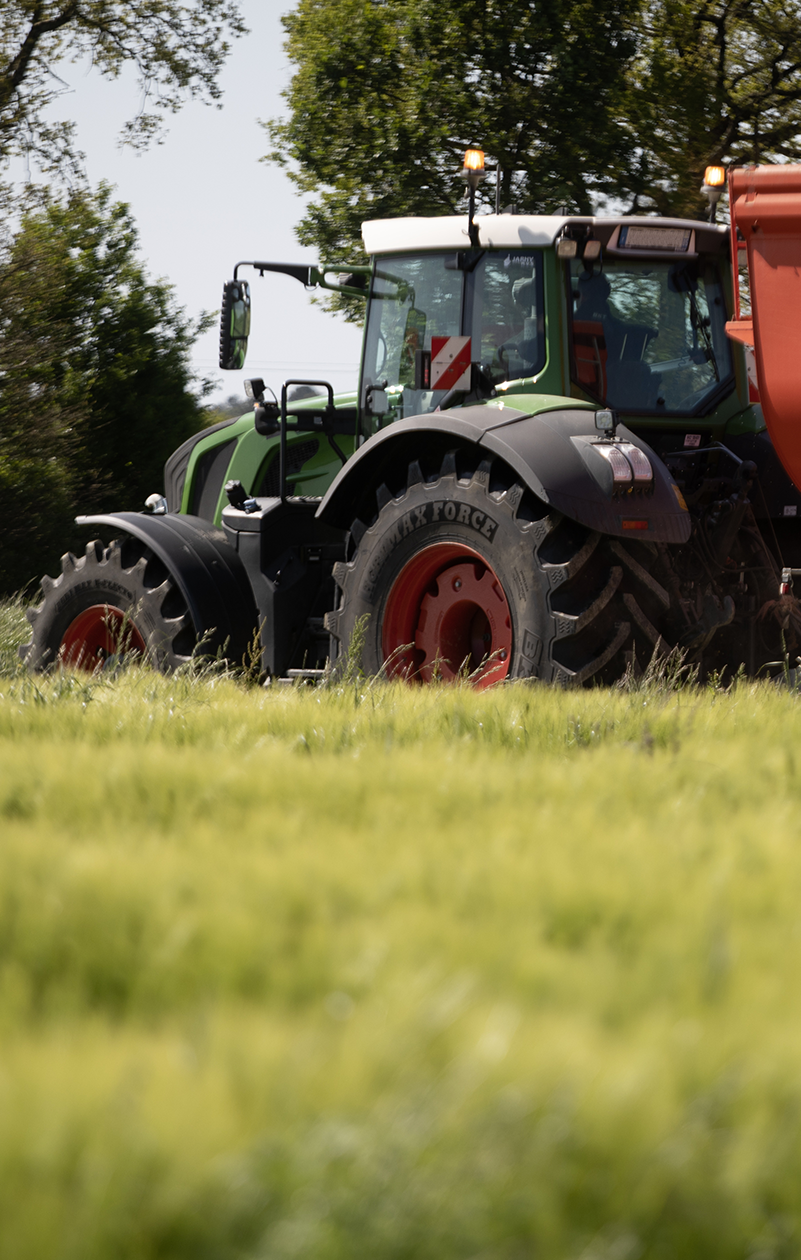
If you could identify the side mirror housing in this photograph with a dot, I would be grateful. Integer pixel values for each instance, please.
(234, 324)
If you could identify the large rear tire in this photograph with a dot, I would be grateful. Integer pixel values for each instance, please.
(110, 602)
(467, 574)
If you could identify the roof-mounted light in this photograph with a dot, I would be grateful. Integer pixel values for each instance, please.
(712, 187)
(714, 176)
(473, 172)
(474, 160)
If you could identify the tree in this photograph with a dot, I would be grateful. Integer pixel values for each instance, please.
(177, 49)
(579, 103)
(96, 386)
(715, 81)
(386, 97)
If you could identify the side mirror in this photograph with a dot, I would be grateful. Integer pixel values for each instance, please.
(234, 324)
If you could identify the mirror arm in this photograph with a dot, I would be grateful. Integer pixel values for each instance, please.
(296, 270)
(312, 277)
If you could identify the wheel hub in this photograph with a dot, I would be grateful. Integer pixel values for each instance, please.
(447, 616)
(96, 634)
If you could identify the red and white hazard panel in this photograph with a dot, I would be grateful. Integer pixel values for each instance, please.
(450, 363)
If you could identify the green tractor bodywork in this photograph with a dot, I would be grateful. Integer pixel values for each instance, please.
(195, 475)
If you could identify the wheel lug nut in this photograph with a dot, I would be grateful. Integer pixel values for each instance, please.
(503, 654)
(457, 585)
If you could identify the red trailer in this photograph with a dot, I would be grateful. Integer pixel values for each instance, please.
(765, 206)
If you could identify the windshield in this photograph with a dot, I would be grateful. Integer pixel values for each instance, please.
(650, 336)
(493, 298)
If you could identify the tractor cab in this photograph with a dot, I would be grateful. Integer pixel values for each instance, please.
(625, 313)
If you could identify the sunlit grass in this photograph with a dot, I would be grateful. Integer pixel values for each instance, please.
(14, 631)
(398, 973)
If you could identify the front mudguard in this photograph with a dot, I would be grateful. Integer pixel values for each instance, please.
(551, 454)
(206, 569)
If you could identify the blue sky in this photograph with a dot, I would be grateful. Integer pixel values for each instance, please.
(203, 201)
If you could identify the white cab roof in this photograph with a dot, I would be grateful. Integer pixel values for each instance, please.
(496, 231)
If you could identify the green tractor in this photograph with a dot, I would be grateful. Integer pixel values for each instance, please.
(554, 466)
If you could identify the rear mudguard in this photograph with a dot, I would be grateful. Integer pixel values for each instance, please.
(207, 570)
(551, 452)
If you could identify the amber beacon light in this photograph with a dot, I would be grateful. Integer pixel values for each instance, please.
(712, 187)
(474, 165)
(473, 172)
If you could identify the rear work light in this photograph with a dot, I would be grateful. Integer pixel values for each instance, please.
(631, 468)
(640, 464)
(621, 468)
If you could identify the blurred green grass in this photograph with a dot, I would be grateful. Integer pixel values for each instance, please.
(398, 973)
(14, 631)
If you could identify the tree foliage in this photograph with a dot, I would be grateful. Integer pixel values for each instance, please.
(579, 103)
(95, 382)
(176, 48)
(386, 97)
(713, 81)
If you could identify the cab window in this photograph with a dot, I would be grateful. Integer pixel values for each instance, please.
(649, 336)
(508, 322)
(495, 298)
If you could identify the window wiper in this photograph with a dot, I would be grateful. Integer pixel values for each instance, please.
(699, 322)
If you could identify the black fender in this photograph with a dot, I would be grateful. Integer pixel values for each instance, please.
(206, 569)
(552, 454)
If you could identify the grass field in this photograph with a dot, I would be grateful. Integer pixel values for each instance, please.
(395, 973)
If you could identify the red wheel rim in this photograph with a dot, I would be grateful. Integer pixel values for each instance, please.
(447, 616)
(94, 635)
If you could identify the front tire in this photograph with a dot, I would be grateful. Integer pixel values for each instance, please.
(110, 602)
(468, 574)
